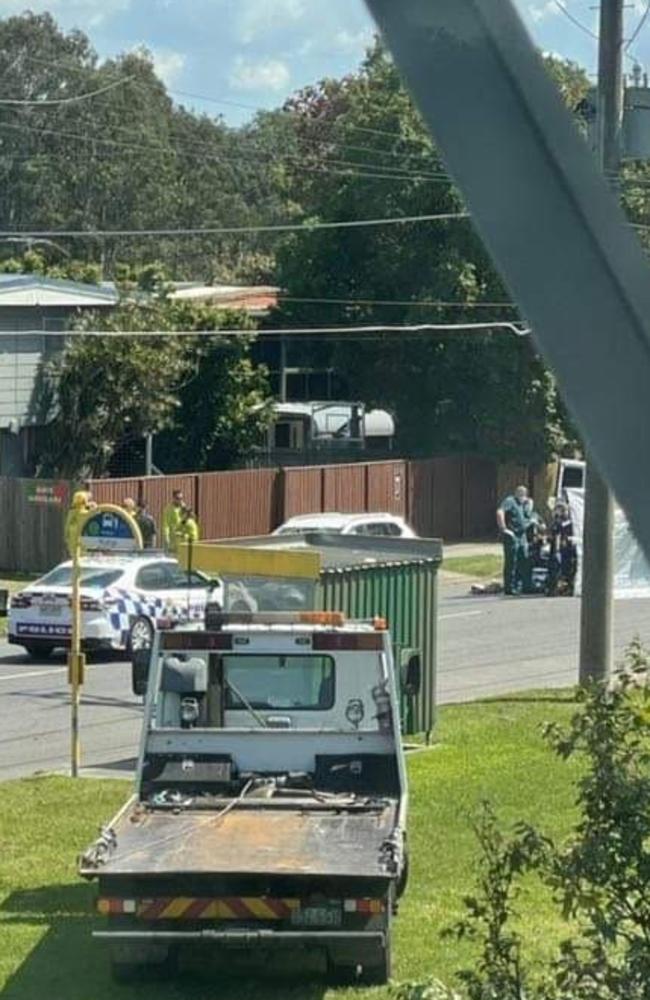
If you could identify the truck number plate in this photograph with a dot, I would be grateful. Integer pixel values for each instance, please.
(317, 916)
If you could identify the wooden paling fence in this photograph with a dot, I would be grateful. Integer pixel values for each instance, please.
(453, 498)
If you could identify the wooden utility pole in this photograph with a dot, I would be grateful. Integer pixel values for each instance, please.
(597, 611)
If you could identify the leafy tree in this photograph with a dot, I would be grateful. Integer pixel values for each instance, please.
(129, 158)
(366, 154)
(203, 391)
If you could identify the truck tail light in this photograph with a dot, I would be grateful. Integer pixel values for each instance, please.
(107, 906)
(366, 907)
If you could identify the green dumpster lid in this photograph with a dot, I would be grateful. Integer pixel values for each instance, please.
(339, 552)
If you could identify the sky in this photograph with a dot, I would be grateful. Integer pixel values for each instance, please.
(246, 54)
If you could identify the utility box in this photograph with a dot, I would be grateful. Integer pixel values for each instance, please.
(365, 578)
(636, 124)
(635, 139)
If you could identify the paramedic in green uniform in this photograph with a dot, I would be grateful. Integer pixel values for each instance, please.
(514, 517)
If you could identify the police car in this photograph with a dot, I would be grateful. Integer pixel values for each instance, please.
(123, 598)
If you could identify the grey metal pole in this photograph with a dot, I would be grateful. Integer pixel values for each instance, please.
(283, 370)
(597, 610)
(148, 455)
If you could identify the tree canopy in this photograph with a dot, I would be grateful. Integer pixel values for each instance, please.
(201, 394)
(352, 148)
(466, 391)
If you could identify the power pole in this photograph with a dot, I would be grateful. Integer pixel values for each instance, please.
(283, 369)
(597, 610)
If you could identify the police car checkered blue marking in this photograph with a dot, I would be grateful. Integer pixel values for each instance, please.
(129, 605)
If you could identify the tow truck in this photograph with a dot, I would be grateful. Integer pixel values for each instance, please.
(271, 798)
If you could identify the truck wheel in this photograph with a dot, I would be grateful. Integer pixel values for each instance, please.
(378, 975)
(140, 671)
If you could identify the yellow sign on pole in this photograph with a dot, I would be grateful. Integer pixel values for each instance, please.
(104, 528)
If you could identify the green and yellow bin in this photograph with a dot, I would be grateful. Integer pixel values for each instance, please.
(395, 579)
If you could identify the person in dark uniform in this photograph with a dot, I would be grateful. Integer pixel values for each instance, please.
(515, 518)
(147, 526)
(563, 559)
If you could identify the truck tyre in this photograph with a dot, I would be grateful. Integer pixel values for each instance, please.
(379, 974)
(140, 671)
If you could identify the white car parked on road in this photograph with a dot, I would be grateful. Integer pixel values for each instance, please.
(123, 598)
(368, 525)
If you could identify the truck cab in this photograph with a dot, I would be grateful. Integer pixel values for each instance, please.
(270, 805)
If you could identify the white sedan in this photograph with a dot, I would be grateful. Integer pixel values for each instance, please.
(368, 525)
(123, 598)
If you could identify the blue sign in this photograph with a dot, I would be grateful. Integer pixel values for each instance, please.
(110, 529)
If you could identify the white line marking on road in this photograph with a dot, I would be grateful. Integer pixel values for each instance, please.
(42, 673)
(462, 614)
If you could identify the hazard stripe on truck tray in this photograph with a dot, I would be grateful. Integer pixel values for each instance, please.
(193, 908)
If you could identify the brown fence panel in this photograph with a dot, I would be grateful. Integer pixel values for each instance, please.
(114, 490)
(386, 487)
(34, 514)
(344, 488)
(479, 497)
(435, 497)
(509, 477)
(235, 504)
(302, 491)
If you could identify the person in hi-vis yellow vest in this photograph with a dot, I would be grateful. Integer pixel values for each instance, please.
(172, 521)
(189, 530)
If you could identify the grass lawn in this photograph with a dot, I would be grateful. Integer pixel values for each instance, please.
(490, 750)
(479, 567)
(13, 582)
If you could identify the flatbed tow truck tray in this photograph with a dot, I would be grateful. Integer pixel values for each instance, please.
(251, 841)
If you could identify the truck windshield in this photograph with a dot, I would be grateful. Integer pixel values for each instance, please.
(304, 683)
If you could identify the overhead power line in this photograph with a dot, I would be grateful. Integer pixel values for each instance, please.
(350, 331)
(403, 303)
(352, 168)
(245, 107)
(574, 20)
(639, 28)
(289, 227)
(67, 100)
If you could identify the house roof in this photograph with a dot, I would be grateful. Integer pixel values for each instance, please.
(36, 290)
(252, 298)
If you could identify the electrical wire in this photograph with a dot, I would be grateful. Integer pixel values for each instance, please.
(404, 303)
(237, 104)
(574, 20)
(289, 227)
(518, 329)
(67, 100)
(354, 168)
(639, 28)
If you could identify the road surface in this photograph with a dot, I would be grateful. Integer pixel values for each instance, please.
(488, 646)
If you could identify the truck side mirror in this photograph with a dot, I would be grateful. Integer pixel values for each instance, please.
(4, 603)
(413, 675)
(140, 659)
